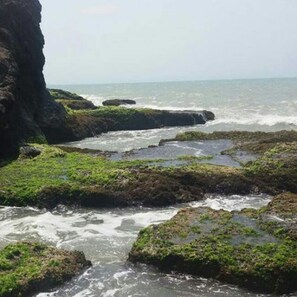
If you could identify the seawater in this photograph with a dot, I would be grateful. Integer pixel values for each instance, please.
(252, 105)
(106, 236)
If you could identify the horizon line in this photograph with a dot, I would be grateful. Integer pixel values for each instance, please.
(170, 81)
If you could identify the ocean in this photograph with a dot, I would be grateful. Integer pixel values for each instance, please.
(252, 105)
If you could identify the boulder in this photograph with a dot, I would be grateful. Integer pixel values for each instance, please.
(28, 268)
(118, 102)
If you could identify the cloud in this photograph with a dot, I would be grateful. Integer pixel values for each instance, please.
(104, 9)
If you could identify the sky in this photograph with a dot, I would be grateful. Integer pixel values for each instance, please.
(114, 41)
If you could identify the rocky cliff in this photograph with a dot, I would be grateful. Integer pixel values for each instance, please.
(26, 108)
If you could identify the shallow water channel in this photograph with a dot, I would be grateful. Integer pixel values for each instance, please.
(106, 236)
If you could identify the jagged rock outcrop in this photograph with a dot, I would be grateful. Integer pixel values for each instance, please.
(26, 107)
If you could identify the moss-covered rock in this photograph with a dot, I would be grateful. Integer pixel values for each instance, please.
(256, 249)
(62, 94)
(255, 142)
(55, 176)
(76, 104)
(28, 268)
(277, 167)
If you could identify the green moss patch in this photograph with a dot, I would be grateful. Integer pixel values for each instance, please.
(250, 248)
(276, 167)
(27, 268)
(65, 95)
(56, 176)
(76, 104)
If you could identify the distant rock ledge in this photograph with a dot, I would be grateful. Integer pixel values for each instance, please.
(118, 102)
(80, 124)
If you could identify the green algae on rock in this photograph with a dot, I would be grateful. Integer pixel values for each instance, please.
(28, 268)
(277, 167)
(57, 94)
(255, 142)
(256, 249)
(55, 176)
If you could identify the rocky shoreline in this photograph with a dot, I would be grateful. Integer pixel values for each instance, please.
(45, 176)
(252, 248)
(83, 119)
(53, 176)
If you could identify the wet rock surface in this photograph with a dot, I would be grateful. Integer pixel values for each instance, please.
(72, 177)
(27, 268)
(256, 249)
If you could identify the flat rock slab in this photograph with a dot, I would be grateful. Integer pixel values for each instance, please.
(27, 268)
(178, 153)
(256, 249)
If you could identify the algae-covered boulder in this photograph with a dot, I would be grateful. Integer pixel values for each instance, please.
(62, 94)
(27, 268)
(71, 100)
(256, 249)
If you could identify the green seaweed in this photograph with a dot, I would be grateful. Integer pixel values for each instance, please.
(243, 248)
(27, 267)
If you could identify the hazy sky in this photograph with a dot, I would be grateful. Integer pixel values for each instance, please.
(102, 41)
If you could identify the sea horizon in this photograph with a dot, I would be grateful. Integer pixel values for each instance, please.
(171, 81)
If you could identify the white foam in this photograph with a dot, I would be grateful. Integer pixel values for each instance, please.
(233, 202)
(96, 100)
(252, 119)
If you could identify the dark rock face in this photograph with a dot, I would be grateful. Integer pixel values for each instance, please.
(118, 102)
(25, 105)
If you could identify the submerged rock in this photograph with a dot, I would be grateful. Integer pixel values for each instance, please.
(256, 249)
(28, 268)
(118, 102)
